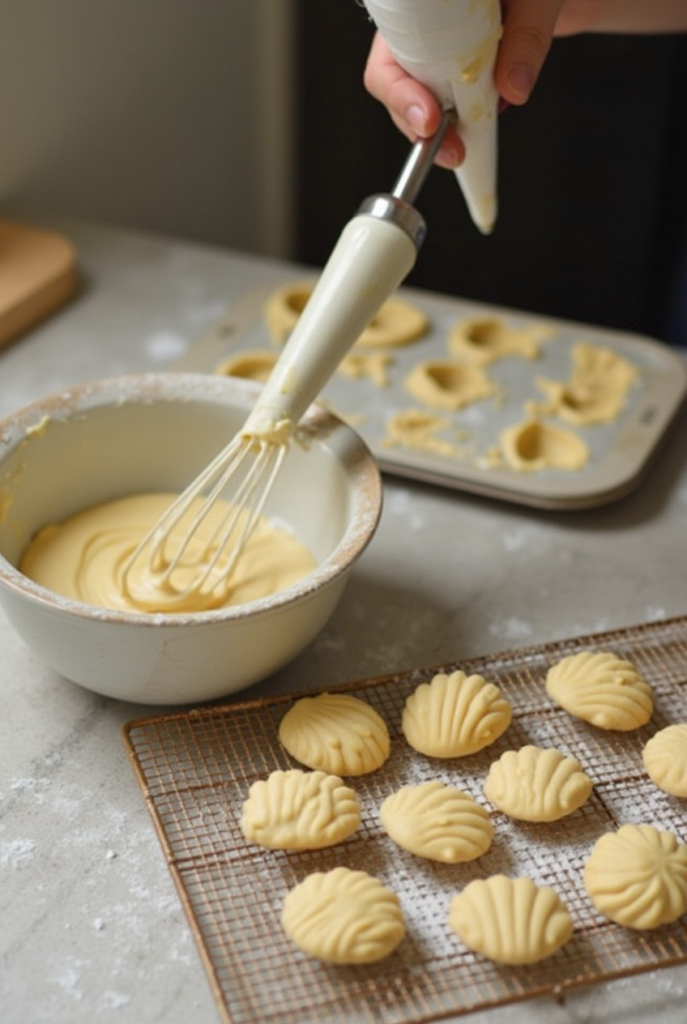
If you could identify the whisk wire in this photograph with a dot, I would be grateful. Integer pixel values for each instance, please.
(244, 511)
(335, 316)
(236, 524)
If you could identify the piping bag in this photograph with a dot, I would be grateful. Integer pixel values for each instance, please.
(450, 46)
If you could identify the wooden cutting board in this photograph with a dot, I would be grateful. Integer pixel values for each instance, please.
(38, 275)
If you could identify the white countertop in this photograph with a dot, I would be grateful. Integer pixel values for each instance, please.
(92, 928)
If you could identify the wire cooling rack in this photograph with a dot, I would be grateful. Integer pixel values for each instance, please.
(195, 769)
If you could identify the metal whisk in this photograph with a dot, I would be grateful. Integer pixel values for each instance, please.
(374, 253)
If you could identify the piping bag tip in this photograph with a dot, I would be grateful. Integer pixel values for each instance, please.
(477, 175)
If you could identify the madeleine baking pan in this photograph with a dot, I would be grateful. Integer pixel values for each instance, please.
(620, 451)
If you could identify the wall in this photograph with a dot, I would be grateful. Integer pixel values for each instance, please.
(165, 115)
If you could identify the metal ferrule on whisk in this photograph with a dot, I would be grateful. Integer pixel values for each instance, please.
(397, 206)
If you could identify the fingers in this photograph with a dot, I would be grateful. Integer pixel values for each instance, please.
(412, 107)
(528, 27)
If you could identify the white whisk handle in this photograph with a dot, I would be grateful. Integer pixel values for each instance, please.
(374, 253)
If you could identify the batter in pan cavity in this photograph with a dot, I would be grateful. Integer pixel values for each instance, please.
(484, 340)
(532, 446)
(396, 323)
(449, 385)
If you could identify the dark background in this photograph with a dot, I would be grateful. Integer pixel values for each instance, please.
(592, 221)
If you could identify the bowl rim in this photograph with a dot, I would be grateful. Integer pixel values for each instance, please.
(317, 424)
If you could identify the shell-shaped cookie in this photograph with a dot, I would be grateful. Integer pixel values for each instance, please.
(337, 733)
(454, 715)
(343, 916)
(537, 784)
(438, 822)
(297, 810)
(637, 876)
(601, 688)
(512, 921)
(665, 759)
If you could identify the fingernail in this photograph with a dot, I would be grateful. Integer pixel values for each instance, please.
(448, 157)
(415, 116)
(521, 81)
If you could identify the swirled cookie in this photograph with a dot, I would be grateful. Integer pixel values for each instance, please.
(534, 784)
(438, 822)
(343, 916)
(297, 810)
(396, 323)
(454, 715)
(601, 689)
(512, 921)
(336, 733)
(665, 759)
(637, 876)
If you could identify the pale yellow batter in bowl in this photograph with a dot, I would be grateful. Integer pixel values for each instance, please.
(85, 558)
(148, 434)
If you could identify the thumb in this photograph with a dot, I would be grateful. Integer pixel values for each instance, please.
(528, 27)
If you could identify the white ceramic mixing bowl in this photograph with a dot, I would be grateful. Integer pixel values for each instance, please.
(155, 432)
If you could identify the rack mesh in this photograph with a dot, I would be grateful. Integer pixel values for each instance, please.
(195, 769)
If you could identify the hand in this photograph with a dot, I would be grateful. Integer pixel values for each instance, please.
(413, 108)
(528, 29)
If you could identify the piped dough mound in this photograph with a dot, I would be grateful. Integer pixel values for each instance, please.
(531, 446)
(438, 822)
(298, 810)
(254, 365)
(454, 715)
(484, 340)
(637, 876)
(602, 689)
(397, 322)
(448, 385)
(597, 391)
(337, 733)
(537, 784)
(512, 921)
(343, 916)
(665, 759)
